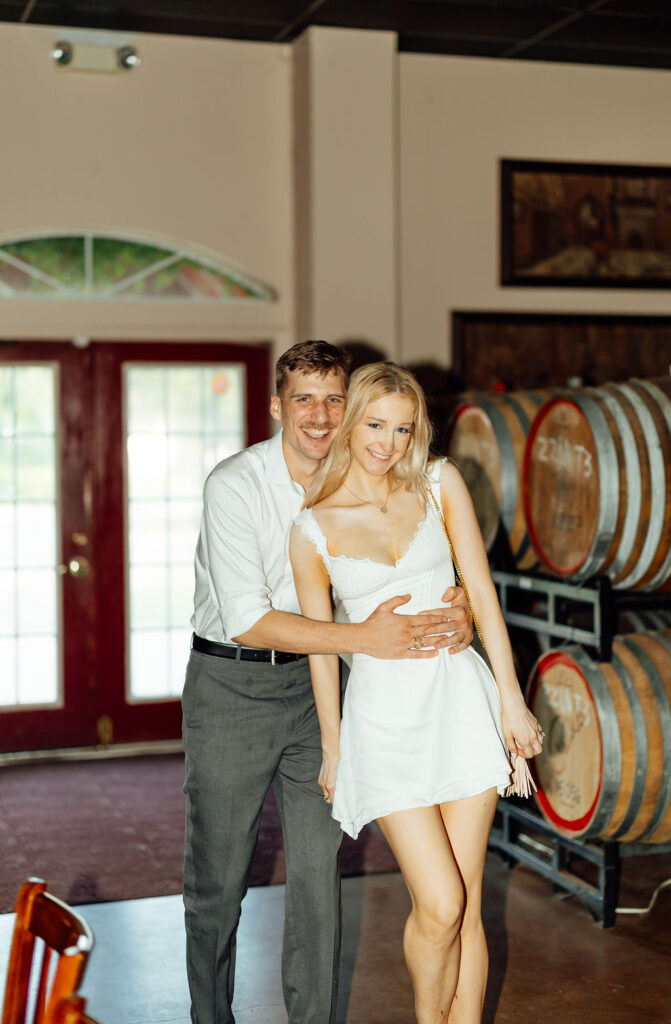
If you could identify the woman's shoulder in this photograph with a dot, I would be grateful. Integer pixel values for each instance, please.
(442, 469)
(305, 530)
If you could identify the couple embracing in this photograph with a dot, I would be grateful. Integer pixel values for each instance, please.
(344, 502)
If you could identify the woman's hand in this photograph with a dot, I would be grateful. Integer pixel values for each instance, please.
(460, 620)
(327, 775)
(521, 729)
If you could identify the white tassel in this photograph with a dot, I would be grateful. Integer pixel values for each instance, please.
(521, 782)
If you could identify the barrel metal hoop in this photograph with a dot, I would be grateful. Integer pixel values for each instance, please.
(638, 624)
(664, 710)
(640, 745)
(633, 472)
(611, 749)
(664, 404)
(608, 473)
(524, 547)
(509, 481)
(520, 412)
(658, 495)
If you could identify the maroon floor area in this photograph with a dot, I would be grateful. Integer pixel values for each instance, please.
(114, 830)
(100, 831)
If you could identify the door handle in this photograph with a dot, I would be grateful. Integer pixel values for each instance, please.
(79, 567)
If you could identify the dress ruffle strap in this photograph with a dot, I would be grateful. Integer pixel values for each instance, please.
(311, 529)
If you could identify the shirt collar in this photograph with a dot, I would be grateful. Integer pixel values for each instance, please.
(277, 471)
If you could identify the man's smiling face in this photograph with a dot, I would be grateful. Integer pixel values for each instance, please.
(310, 409)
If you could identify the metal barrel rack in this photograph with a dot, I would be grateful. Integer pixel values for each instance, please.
(521, 835)
(587, 614)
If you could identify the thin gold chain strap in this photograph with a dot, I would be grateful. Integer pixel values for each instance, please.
(460, 576)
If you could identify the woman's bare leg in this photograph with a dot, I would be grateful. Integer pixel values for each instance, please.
(420, 844)
(468, 823)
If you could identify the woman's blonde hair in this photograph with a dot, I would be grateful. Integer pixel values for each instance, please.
(366, 385)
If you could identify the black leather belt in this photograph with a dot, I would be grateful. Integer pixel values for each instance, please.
(238, 653)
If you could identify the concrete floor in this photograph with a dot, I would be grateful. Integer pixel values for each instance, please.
(549, 961)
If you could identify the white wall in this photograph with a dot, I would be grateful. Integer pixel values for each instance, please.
(458, 117)
(194, 146)
(346, 186)
(362, 185)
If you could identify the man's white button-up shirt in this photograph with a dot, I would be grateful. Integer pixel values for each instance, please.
(242, 558)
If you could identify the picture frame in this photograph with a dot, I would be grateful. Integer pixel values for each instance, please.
(517, 351)
(585, 225)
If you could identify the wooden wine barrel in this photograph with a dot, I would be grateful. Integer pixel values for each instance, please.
(571, 483)
(487, 440)
(597, 484)
(650, 561)
(660, 390)
(635, 481)
(474, 447)
(605, 769)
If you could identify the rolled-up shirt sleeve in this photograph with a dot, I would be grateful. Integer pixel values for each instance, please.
(232, 557)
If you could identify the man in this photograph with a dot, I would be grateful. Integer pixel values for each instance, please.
(249, 715)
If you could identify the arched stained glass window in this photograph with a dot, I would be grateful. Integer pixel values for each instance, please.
(98, 266)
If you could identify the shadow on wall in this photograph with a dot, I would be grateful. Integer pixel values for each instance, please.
(362, 352)
(439, 385)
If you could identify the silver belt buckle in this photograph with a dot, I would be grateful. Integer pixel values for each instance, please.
(272, 657)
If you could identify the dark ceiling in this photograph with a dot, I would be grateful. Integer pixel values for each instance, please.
(635, 33)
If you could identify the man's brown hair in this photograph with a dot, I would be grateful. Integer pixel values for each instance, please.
(311, 357)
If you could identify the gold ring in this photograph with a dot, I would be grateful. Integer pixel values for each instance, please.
(418, 642)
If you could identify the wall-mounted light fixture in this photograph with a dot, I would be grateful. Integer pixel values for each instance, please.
(85, 56)
(128, 57)
(62, 53)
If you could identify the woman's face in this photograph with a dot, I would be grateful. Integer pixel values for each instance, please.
(381, 437)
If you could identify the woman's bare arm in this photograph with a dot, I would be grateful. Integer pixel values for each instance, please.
(313, 588)
(521, 730)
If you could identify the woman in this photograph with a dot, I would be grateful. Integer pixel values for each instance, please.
(423, 745)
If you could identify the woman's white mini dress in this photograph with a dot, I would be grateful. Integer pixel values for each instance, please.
(414, 732)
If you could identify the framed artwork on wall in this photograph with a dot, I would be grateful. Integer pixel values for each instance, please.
(525, 351)
(585, 225)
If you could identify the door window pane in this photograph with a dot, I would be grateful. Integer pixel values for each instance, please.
(148, 532)
(181, 420)
(7, 534)
(34, 401)
(147, 465)
(36, 602)
(8, 675)
(37, 658)
(29, 580)
(7, 604)
(185, 466)
(183, 515)
(35, 535)
(148, 596)
(35, 468)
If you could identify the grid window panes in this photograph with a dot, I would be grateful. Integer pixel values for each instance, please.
(181, 420)
(29, 602)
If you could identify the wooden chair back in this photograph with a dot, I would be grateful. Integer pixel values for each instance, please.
(65, 936)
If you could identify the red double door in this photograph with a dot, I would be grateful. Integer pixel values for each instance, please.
(80, 623)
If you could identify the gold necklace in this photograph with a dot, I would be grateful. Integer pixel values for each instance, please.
(366, 501)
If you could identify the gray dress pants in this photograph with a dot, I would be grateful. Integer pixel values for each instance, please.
(247, 726)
